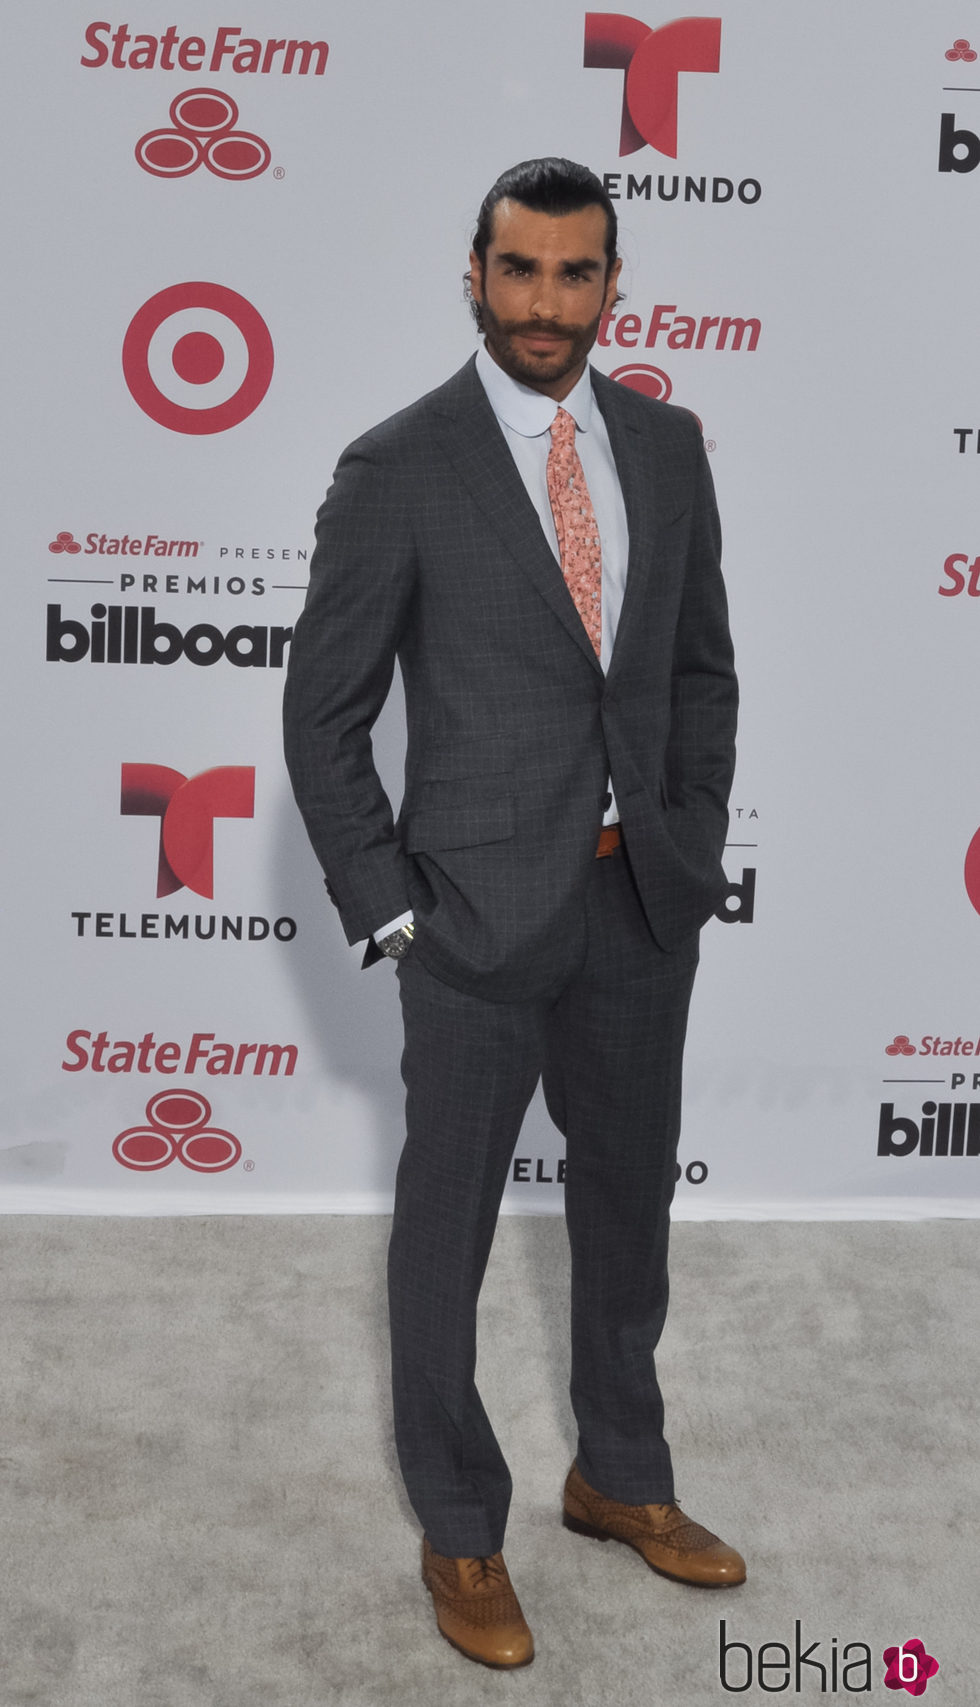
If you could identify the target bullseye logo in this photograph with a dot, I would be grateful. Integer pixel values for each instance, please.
(177, 1126)
(198, 358)
(203, 134)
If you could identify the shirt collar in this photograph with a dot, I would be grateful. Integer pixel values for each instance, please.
(526, 411)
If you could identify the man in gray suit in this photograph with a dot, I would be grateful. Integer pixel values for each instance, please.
(539, 550)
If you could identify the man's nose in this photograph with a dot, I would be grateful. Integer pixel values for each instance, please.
(545, 305)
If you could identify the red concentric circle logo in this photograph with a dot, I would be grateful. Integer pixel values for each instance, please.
(177, 1126)
(203, 134)
(971, 871)
(650, 381)
(198, 358)
(65, 541)
(178, 1111)
(144, 1148)
(205, 111)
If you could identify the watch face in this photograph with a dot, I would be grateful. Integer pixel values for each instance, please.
(397, 944)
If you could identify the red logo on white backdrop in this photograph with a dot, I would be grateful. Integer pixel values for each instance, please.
(187, 808)
(652, 61)
(64, 541)
(649, 381)
(177, 1127)
(971, 871)
(198, 358)
(203, 134)
(652, 382)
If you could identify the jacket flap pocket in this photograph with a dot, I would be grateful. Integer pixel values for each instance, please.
(463, 822)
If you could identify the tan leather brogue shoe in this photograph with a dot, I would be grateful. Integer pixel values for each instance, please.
(663, 1535)
(477, 1609)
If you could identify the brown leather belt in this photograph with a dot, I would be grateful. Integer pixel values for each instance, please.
(610, 838)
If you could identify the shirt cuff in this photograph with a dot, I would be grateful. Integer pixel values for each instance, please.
(396, 925)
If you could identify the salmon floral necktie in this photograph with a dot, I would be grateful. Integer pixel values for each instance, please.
(576, 526)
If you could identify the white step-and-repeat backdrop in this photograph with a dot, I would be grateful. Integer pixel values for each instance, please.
(238, 240)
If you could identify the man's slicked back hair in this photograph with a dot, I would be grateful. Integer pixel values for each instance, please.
(551, 185)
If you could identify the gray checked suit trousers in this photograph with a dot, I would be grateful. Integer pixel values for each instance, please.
(609, 1049)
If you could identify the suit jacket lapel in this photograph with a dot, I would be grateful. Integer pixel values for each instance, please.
(478, 450)
(636, 465)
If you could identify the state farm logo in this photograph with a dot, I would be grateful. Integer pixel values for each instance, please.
(198, 358)
(203, 134)
(706, 332)
(177, 1128)
(901, 1044)
(680, 331)
(961, 576)
(652, 61)
(96, 1052)
(125, 545)
(64, 542)
(187, 808)
(648, 381)
(227, 50)
(654, 383)
(959, 1047)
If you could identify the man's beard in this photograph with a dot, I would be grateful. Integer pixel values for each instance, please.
(545, 368)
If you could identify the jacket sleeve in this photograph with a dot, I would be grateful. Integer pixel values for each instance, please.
(342, 659)
(700, 754)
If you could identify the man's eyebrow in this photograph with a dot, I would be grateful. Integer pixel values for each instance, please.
(510, 258)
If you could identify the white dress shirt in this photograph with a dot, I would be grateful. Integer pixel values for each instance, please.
(525, 417)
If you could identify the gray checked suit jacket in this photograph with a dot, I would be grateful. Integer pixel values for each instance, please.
(429, 550)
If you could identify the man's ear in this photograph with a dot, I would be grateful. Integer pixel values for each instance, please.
(612, 283)
(476, 277)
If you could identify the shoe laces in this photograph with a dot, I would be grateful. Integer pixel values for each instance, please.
(486, 1573)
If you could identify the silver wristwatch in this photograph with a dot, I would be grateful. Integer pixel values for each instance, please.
(397, 945)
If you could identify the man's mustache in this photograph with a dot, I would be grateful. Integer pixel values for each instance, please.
(539, 328)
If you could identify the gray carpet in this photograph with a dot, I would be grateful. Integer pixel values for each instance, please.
(200, 1504)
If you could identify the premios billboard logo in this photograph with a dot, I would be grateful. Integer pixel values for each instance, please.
(131, 634)
(170, 566)
(203, 133)
(959, 148)
(948, 1130)
(198, 358)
